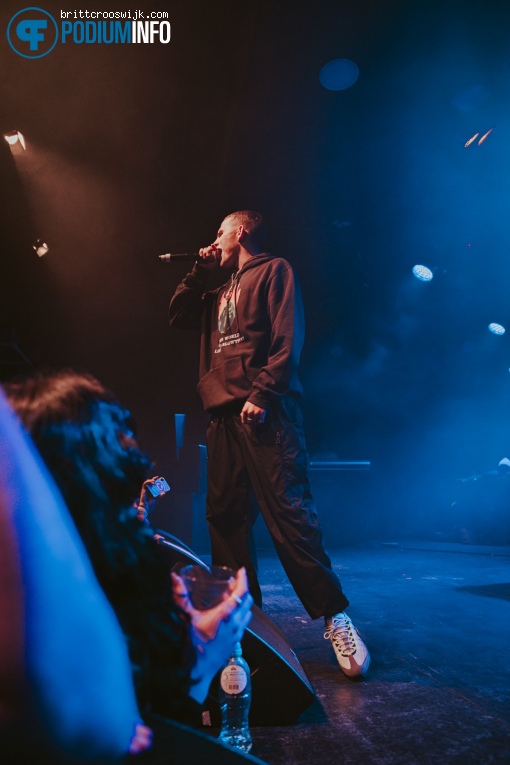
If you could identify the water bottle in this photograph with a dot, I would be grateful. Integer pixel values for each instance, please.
(235, 698)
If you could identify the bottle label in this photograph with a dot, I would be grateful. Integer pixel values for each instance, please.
(233, 679)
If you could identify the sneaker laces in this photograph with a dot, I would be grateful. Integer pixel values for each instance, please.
(339, 631)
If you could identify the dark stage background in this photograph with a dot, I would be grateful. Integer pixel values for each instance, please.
(135, 150)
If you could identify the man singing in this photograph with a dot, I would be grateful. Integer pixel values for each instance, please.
(252, 331)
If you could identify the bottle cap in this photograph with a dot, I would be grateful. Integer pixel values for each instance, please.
(238, 651)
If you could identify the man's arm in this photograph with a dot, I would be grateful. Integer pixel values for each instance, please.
(285, 309)
(185, 310)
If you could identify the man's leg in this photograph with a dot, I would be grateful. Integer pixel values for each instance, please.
(275, 455)
(275, 458)
(231, 511)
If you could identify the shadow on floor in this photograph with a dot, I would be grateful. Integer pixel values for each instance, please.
(489, 590)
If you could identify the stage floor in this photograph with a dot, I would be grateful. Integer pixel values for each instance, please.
(436, 619)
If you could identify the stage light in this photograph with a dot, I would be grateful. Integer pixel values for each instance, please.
(40, 247)
(339, 74)
(15, 137)
(423, 273)
(484, 137)
(473, 138)
(497, 329)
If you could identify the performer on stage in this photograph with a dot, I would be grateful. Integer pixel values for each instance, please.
(252, 331)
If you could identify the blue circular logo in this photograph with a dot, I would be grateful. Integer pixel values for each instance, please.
(32, 33)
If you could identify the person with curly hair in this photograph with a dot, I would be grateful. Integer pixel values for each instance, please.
(88, 442)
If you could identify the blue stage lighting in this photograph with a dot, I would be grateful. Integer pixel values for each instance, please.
(497, 329)
(339, 74)
(471, 98)
(423, 273)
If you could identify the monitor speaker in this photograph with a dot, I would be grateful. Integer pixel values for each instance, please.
(180, 745)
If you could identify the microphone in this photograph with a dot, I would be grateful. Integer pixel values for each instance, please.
(179, 257)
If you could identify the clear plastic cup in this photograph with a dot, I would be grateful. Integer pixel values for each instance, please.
(206, 587)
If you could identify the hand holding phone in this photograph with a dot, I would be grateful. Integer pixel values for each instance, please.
(157, 486)
(151, 490)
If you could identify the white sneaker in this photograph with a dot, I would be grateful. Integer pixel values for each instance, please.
(350, 650)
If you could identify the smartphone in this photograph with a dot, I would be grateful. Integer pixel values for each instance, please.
(159, 487)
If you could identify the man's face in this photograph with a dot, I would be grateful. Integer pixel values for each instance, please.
(227, 239)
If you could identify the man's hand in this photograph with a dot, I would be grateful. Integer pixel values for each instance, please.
(209, 257)
(252, 414)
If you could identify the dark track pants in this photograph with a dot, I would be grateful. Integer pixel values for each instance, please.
(264, 466)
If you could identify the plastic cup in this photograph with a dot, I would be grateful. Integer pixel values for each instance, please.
(206, 587)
